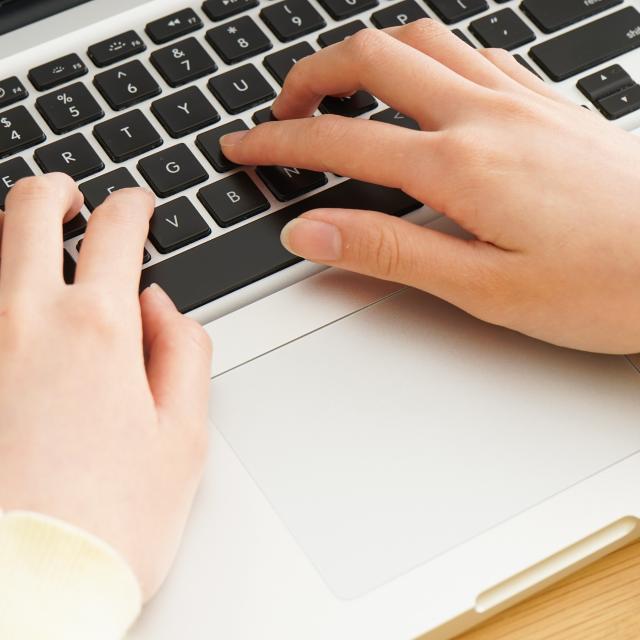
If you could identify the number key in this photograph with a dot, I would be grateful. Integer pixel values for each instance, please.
(69, 108)
(126, 85)
(182, 62)
(291, 19)
(341, 9)
(18, 130)
(238, 39)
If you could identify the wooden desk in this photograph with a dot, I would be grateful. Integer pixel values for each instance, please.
(600, 602)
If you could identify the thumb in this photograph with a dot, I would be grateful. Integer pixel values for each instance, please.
(382, 246)
(178, 354)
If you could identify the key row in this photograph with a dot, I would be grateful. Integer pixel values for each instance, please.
(169, 171)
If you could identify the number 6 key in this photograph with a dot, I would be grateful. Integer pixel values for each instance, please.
(125, 85)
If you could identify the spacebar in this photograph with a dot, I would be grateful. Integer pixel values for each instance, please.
(251, 252)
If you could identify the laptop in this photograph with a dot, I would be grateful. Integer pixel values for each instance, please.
(382, 465)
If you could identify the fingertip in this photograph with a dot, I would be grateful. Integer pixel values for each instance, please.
(154, 294)
(312, 239)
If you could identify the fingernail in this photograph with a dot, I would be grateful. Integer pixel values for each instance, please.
(160, 295)
(231, 139)
(313, 239)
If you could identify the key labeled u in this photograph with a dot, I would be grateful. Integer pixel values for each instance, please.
(242, 86)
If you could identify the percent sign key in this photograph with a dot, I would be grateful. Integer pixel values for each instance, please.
(69, 108)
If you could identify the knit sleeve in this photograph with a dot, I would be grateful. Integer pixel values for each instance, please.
(58, 582)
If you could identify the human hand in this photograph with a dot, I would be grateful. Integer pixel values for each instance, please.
(103, 395)
(549, 190)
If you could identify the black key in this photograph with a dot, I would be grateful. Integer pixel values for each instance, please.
(360, 102)
(73, 156)
(115, 49)
(605, 82)
(502, 29)
(208, 143)
(263, 115)
(233, 199)
(176, 224)
(172, 170)
(69, 108)
(56, 72)
(247, 254)
(126, 85)
(173, 26)
(340, 33)
(74, 227)
(279, 64)
(127, 136)
(451, 11)
(341, 9)
(183, 61)
(391, 116)
(217, 10)
(594, 43)
(526, 65)
(97, 190)
(11, 90)
(463, 36)
(238, 39)
(551, 15)
(398, 14)
(18, 131)
(68, 267)
(185, 111)
(241, 88)
(10, 172)
(287, 183)
(621, 103)
(291, 19)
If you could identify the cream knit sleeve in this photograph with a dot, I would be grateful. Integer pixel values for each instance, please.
(59, 583)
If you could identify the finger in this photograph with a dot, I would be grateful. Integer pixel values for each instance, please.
(35, 209)
(393, 249)
(178, 354)
(437, 42)
(112, 248)
(363, 149)
(506, 63)
(408, 81)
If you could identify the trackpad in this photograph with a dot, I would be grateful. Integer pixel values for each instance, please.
(399, 432)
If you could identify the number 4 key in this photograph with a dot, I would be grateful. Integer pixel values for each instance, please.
(18, 131)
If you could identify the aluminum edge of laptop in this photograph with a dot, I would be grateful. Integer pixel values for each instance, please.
(241, 573)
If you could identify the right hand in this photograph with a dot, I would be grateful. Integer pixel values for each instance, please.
(549, 190)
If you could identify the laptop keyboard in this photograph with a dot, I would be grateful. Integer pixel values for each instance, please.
(147, 107)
